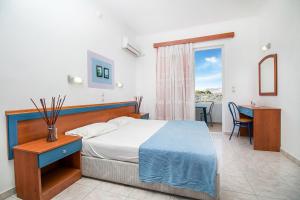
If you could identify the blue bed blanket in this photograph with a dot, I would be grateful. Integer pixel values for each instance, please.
(180, 154)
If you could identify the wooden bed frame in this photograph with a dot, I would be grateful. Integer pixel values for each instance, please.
(27, 125)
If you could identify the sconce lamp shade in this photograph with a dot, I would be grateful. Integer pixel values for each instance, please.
(75, 79)
(266, 47)
(119, 85)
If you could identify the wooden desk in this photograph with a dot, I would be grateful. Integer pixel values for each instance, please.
(266, 126)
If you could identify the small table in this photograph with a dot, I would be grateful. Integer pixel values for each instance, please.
(204, 108)
(44, 169)
(139, 115)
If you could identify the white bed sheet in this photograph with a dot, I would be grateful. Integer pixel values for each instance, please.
(122, 144)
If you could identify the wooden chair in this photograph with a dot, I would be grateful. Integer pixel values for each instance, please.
(239, 121)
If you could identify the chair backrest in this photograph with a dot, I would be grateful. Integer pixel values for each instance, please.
(234, 111)
(211, 107)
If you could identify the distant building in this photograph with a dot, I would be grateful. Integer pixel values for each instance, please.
(210, 94)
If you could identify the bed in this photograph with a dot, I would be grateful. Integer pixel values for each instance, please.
(115, 157)
(112, 157)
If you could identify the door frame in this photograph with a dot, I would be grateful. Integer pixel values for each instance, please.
(216, 45)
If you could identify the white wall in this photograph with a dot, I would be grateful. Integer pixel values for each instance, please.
(41, 42)
(239, 61)
(280, 25)
(217, 113)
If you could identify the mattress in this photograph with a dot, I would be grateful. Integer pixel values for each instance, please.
(122, 144)
(128, 174)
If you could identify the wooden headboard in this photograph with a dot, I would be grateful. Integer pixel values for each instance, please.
(26, 125)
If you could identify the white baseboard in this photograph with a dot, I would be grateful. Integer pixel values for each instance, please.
(289, 156)
(7, 193)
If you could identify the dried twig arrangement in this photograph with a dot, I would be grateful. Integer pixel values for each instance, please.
(138, 100)
(50, 115)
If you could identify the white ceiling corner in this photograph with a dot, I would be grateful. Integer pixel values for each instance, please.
(151, 16)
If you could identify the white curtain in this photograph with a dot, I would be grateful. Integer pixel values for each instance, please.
(175, 85)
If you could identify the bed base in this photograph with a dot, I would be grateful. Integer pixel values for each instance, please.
(127, 173)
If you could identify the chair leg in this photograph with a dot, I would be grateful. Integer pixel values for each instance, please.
(232, 132)
(211, 122)
(239, 132)
(249, 132)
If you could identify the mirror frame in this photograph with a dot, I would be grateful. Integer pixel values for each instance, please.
(274, 56)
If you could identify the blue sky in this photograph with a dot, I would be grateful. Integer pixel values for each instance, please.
(208, 69)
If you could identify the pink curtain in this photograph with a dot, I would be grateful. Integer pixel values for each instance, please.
(175, 85)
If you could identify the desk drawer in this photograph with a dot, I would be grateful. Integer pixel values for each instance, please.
(246, 111)
(49, 157)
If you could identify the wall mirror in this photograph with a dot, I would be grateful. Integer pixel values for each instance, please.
(267, 68)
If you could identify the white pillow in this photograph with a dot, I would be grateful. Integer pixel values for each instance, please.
(121, 121)
(93, 130)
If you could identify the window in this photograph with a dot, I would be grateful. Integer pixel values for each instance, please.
(208, 75)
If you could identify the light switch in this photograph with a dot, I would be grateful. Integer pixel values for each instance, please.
(233, 89)
(102, 97)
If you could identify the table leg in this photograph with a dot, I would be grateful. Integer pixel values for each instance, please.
(205, 116)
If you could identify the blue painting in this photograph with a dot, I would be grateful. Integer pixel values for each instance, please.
(100, 71)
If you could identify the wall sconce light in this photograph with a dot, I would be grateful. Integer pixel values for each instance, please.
(75, 79)
(119, 85)
(99, 14)
(266, 47)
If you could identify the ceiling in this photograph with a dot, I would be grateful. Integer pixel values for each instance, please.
(151, 16)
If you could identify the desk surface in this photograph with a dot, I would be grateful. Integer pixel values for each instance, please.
(41, 145)
(259, 107)
(201, 105)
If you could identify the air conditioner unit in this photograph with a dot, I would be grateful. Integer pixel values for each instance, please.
(131, 47)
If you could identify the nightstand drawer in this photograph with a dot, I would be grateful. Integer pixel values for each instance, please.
(49, 157)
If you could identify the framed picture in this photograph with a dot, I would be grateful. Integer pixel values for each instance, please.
(100, 71)
(106, 73)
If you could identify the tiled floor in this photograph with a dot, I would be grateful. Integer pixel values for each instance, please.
(216, 127)
(245, 175)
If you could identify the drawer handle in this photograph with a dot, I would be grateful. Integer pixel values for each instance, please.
(64, 151)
